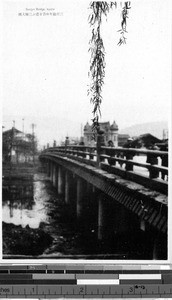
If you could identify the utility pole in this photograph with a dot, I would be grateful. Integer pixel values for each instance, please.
(12, 140)
(33, 142)
(23, 140)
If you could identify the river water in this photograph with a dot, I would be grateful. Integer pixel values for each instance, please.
(37, 222)
(33, 213)
(29, 207)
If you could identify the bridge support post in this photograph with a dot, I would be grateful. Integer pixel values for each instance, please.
(80, 196)
(60, 181)
(143, 225)
(48, 168)
(89, 189)
(122, 219)
(54, 175)
(51, 171)
(67, 187)
(101, 218)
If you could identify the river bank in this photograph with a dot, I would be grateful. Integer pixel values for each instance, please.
(24, 241)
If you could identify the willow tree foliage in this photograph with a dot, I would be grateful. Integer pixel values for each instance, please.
(99, 10)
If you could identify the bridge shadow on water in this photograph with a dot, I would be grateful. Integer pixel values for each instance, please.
(38, 223)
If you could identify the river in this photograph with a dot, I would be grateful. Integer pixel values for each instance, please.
(33, 206)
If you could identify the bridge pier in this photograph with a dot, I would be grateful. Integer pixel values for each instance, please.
(60, 181)
(51, 171)
(113, 218)
(79, 198)
(101, 218)
(142, 225)
(48, 168)
(67, 187)
(122, 219)
(89, 189)
(54, 175)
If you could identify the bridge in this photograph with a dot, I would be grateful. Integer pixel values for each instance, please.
(123, 189)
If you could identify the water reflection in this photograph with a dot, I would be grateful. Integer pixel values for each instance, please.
(25, 202)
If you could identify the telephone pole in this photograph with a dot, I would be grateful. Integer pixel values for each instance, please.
(33, 142)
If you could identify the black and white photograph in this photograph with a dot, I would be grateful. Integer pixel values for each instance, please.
(86, 118)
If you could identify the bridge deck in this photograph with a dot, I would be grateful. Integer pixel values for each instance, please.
(148, 204)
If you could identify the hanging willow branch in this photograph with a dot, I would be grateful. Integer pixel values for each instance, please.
(123, 30)
(97, 61)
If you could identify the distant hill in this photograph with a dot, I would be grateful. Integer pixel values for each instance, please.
(155, 128)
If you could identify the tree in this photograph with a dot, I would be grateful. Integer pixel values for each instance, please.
(97, 49)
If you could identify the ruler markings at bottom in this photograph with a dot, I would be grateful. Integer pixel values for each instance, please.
(85, 290)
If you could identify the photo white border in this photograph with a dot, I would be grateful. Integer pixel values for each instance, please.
(149, 263)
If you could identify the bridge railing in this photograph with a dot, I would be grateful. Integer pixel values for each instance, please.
(89, 153)
(147, 167)
(153, 161)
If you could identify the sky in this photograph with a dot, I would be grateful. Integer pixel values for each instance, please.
(46, 64)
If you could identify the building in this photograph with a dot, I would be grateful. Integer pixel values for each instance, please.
(110, 134)
(122, 139)
(146, 140)
(18, 146)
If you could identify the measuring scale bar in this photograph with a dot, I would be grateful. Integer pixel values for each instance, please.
(86, 291)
